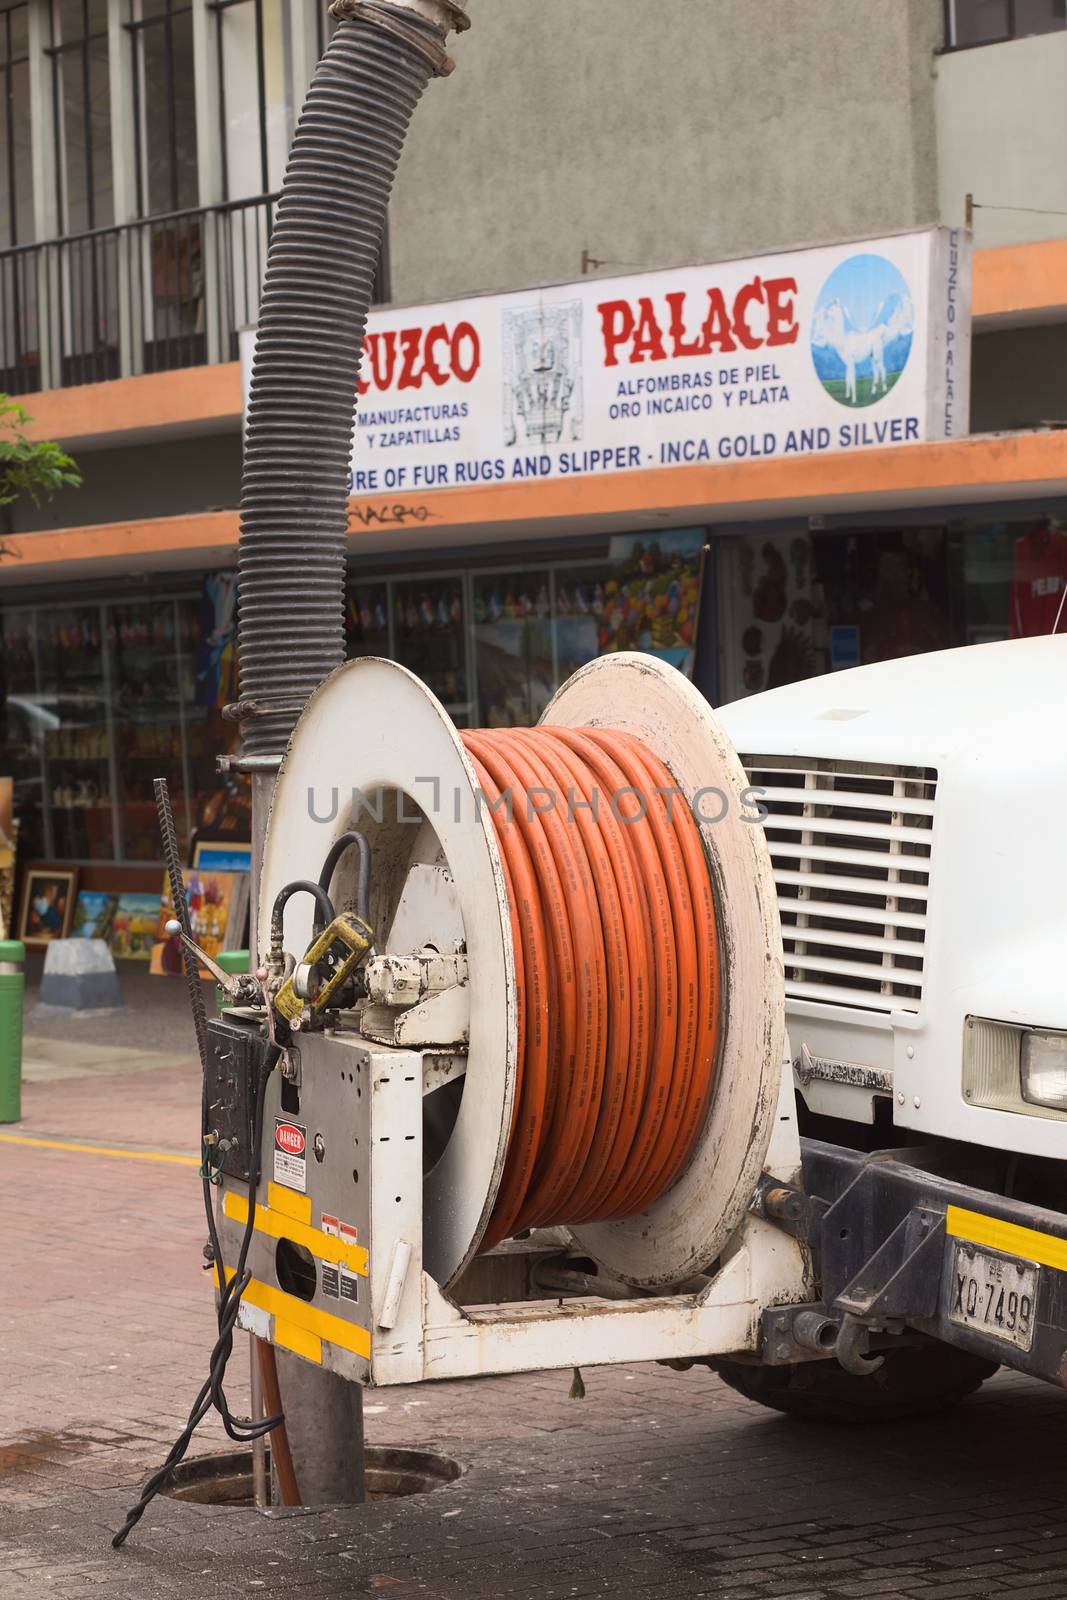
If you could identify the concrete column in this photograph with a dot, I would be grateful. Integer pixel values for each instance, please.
(134, 267)
(44, 158)
(210, 179)
(323, 1413)
(324, 1421)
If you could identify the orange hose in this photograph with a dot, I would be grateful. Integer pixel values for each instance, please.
(617, 966)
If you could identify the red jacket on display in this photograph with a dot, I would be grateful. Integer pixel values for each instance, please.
(1038, 576)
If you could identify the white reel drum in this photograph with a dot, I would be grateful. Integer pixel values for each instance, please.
(374, 750)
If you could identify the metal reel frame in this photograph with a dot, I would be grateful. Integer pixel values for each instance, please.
(373, 731)
(373, 728)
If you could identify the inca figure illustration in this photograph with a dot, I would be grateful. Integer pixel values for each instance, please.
(543, 374)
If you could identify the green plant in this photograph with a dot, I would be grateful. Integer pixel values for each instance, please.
(36, 469)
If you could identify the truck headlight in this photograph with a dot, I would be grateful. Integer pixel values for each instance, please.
(1043, 1069)
(1009, 1068)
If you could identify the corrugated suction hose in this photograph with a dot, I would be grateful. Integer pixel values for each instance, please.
(618, 972)
(320, 271)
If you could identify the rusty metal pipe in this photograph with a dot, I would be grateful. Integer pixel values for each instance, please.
(280, 1454)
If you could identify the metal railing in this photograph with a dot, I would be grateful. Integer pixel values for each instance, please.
(148, 296)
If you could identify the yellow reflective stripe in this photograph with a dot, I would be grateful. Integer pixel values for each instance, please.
(290, 1337)
(99, 1150)
(323, 1245)
(298, 1314)
(1007, 1237)
(289, 1203)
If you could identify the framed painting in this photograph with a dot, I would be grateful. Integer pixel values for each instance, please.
(48, 896)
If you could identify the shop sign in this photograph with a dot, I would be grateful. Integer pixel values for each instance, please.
(842, 347)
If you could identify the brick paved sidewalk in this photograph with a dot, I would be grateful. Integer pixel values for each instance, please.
(657, 1484)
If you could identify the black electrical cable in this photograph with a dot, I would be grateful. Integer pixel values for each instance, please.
(212, 1395)
(329, 867)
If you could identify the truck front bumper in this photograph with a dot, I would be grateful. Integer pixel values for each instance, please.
(899, 1246)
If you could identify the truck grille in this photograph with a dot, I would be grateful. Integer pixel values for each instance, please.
(850, 843)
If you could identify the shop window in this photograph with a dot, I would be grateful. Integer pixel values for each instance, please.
(794, 605)
(496, 657)
(24, 724)
(367, 631)
(645, 596)
(772, 616)
(893, 587)
(975, 22)
(430, 637)
(577, 600)
(1011, 577)
(72, 702)
(152, 671)
(513, 646)
(98, 700)
(219, 805)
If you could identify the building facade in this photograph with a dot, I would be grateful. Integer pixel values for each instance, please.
(143, 149)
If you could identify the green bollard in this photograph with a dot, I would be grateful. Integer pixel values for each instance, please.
(12, 955)
(229, 961)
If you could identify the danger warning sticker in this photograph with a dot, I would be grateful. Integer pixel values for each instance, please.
(329, 1224)
(290, 1154)
(348, 1233)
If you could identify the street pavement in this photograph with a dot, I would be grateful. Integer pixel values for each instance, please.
(657, 1484)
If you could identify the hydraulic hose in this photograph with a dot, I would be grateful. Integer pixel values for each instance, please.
(323, 253)
(618, 973)
(329, 867)
(323, 912)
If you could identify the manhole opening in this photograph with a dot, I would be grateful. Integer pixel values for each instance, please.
(226, 1480)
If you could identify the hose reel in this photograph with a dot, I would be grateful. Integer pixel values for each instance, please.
(597, 893)
(614, 933)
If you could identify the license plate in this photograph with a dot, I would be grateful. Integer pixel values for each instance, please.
(996, 1294)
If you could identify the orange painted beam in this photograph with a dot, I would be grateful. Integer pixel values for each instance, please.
(1020, 279)
(984, 467)
(189, 398)
(113, 542)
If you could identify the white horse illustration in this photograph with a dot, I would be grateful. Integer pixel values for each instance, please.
(835, 330)
(854, 346)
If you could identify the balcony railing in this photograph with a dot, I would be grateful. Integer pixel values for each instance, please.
(148, 296)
